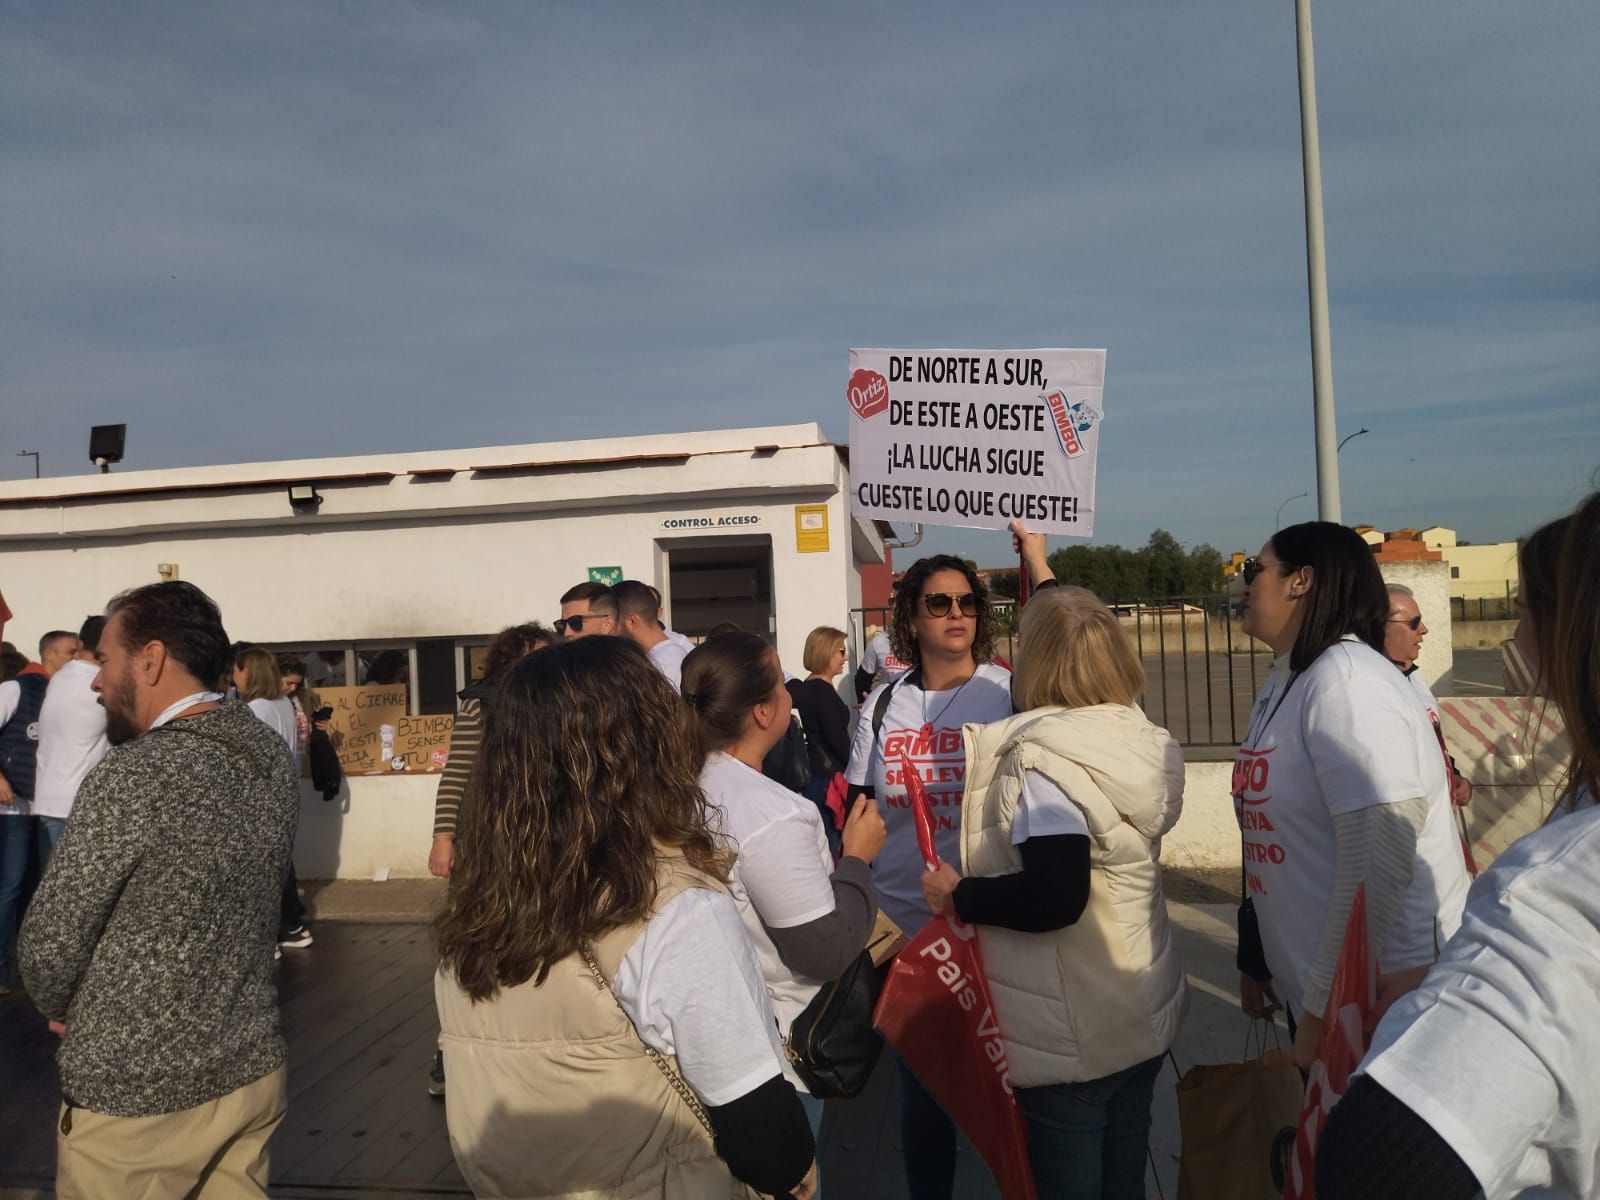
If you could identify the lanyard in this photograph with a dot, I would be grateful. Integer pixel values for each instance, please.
(173, 710)
(1253, 735)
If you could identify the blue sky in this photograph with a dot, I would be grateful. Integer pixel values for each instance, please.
(285, 230)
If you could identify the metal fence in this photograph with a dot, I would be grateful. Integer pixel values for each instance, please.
(1202, 672)
(1484, 608)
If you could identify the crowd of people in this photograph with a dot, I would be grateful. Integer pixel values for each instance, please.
(653, 881)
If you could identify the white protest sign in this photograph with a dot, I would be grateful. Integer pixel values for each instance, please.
(976, 438)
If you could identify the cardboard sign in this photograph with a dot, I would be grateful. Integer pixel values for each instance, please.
(372, 734)
(976, 438)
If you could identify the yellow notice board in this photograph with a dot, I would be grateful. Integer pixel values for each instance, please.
(811, 528)
(372, 734)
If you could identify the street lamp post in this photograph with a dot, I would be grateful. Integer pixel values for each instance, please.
(1348, 436)
(1277, 522)
(35, 456)
(1316, 273)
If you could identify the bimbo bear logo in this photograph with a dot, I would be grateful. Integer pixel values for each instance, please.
(868, 392)
(1071, 419)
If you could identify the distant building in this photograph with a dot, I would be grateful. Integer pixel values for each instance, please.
(1487, 572)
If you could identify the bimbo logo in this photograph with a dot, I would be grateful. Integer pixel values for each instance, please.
(921, 742)
(868, 392)
(1071, 420)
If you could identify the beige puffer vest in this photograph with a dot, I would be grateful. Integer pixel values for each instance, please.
(551, 1093)
(1107, 992)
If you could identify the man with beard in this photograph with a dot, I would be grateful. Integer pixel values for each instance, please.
(149, 942)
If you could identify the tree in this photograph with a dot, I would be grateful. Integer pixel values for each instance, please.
(1162, 568)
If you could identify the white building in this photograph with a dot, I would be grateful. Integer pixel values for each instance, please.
(428, 554)
(1486, 571)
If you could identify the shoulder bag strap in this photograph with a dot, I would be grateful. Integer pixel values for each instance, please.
(674, 1077)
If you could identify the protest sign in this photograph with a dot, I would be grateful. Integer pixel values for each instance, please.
(976, 438)
(372, 734)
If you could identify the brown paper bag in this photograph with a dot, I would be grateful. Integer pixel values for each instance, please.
(1230, 1116)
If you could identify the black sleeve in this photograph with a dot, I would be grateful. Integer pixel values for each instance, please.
(823, 948)
(1251, 957)
(764, 1137)
(833, 715)
(1050, 891)
(1375, 1148)
(863, 684)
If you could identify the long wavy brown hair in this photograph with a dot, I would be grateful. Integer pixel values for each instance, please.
(587, 778)
(1574, 666)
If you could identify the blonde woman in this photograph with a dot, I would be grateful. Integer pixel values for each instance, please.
(1065, 806)
(260, 685)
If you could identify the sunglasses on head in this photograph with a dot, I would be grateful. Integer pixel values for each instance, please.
(1254, 566)
(1411, 623)
(576, 623)
(938, 604)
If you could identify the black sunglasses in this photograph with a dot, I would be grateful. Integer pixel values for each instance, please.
(1254, 566)
(1411, 623)
(576, 623)
(938, 603)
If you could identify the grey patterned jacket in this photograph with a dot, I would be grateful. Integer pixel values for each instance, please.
(153, 931)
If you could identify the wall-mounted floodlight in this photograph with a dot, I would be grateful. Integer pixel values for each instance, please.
(303, 497)
(106, 443)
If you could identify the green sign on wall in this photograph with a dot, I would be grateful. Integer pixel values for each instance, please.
(610, 576)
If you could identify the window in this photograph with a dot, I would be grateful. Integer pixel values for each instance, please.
(1455, 572)
(432, 670)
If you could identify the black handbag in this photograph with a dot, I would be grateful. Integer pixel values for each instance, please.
(789, 762)
(832, 1044)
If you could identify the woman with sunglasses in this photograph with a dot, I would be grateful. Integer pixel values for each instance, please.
(942, 625)
(1483, 1081)
(1339, 782)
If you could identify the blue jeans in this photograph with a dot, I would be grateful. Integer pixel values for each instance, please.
(1089, 1141)
(927, 1140)
(16, 848)
(813, 1108)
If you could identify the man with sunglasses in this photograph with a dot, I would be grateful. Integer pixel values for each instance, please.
(586, 609)
(1402, 645)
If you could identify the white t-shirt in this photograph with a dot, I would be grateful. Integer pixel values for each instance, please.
(879, 661)
(1044, 810)
(691, 987)
(279, 714)
(677, 639)
(667, 657)
(10, 699)
(1499, 1049)
(781, 877)
(940, 758)
(1348, 734)
(72, 737)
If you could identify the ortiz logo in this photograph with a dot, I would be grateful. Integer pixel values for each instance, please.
(868, 392)
(921, 742)
(1071, 420)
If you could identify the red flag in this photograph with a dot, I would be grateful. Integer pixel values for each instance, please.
(921, 814)
(1340, 1048)
(935, 1011)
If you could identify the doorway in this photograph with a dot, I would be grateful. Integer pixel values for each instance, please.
(712, 581)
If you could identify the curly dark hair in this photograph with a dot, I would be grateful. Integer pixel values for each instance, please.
(908, 594)
(510, 644)
(592, 775)
(181, 617)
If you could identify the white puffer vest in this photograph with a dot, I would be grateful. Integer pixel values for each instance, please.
(1107, 992)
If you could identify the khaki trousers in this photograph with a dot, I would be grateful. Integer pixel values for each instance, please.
(216, 1150)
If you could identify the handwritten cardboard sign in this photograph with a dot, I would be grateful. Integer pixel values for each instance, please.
(372, 734)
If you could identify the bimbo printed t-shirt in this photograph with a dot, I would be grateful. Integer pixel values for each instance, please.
(1345, 734)
(926, 727)
(781, 876)
(879, 661)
